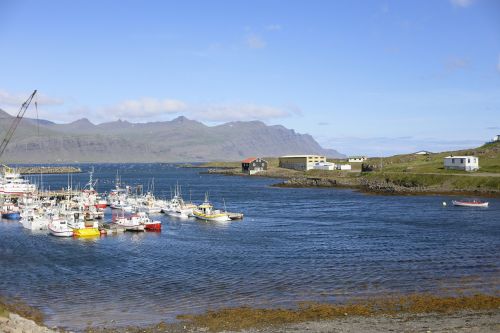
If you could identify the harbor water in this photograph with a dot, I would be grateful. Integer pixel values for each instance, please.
(326, 245)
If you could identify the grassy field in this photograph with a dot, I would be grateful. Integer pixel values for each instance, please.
(489, 161)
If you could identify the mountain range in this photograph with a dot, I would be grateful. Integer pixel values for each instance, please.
(178, 140)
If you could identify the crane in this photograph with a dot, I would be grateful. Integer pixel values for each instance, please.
(14, 124)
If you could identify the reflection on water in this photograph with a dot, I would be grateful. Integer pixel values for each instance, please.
(293, 245)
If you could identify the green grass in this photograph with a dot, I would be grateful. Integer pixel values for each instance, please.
(489, 161)
(443, 181)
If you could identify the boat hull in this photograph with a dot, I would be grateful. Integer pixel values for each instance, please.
(11, 216)
(215, 217)
(470, 204)
(86, 232)
(66, 233)
(153, 227)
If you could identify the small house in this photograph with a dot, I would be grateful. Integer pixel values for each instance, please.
(253, 165)
(357, 159)
(344, 167)
(496, 138)
(324, 166)
(467, 163)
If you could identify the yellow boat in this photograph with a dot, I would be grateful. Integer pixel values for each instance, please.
(86, 232)
(206, 212)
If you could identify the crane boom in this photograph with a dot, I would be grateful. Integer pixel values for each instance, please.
(14, 124)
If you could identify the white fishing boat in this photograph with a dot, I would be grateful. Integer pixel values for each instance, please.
(143, 218)
(132, 223)
(206, 212)
(11, 183)
(177, 207)
(59, 227)
(34, 220)
(470, 203)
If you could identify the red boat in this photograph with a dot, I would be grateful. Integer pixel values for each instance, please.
(470, 203)
(152, 226)
(149, 224)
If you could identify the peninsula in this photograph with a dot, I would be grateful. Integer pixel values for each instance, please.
(399, 174)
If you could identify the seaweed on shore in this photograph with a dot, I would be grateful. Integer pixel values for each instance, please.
(24, 310)
(240, 318)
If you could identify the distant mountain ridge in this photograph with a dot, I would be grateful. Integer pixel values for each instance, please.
(178, 140)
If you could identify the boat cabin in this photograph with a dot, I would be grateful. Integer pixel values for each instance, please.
(253, 165)
(467, 163)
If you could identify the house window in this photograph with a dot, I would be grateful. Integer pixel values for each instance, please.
(461, 161)
(468, 160)
(453, 161)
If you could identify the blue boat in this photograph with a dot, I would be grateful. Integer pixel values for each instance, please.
(11, 215)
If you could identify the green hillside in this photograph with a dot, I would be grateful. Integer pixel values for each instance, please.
(489, 161)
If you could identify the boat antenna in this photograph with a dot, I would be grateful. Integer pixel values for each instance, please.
(224, 201)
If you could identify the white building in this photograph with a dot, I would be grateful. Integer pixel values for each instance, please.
(324, 166)
(467, 163)
(300, 162)
(343, 167)
(496, 138)
(357, 159)
(423, 152)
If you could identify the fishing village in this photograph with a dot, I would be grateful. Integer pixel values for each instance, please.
(260, 166)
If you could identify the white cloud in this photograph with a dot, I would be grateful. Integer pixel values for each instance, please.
(145, 108)
(387, 146)
(254, 41)
(462, 3)
(16, 99)
(151, 109)
(241, 112)
(273, 27)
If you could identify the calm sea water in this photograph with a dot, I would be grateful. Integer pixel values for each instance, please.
(293, 245)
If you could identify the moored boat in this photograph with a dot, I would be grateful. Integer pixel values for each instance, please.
(132, 223)
(206, 212)
(59, 227)
(470, 203)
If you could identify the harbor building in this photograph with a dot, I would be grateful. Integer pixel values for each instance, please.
(253, 165)
(357, 159)
(467, 163)
(344, 167)
(324, 166)
(300, 162)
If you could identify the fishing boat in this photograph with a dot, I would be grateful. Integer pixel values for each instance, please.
(35, 220)
(10, 211)
(206, 212)
(82, 227)
(132, 223)
(11, 183)
(470, 203)
(149, 224)
(177, 207)
(59, 227)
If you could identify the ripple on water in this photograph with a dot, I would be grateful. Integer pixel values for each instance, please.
(293, 245)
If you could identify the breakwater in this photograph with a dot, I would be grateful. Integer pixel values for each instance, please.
(47, 170)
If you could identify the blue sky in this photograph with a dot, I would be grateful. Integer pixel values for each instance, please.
(363, 77)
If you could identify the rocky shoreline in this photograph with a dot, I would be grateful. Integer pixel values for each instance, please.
(14, 323)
